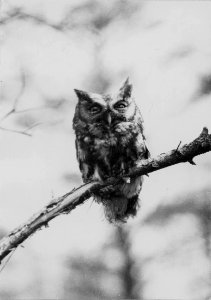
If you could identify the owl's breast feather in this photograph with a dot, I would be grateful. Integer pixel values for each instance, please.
(133, 188)
(104, 145)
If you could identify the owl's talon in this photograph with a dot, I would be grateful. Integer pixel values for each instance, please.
(107, 190)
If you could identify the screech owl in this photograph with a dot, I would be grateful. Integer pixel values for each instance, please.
(109, 141)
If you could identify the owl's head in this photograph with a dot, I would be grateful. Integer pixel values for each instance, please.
(108, 110)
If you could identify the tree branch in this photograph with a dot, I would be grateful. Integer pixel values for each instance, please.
(69, 201)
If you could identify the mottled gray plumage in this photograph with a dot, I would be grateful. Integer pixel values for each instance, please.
(109, 141)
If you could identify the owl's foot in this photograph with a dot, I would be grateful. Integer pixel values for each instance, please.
(105, 191)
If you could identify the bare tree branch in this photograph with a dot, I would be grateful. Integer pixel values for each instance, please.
(69, 201)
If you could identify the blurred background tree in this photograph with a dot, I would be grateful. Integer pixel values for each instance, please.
(110, 275)
(50, 47)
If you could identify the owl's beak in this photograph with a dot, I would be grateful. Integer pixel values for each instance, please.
(109, 119)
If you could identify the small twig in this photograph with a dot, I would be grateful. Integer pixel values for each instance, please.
(22, 111)
(179, 153)
(25, 131)
(178, 146)
(13, 110)
(20, 15)
(7, 260)
(7, 114)
(32, 126)
(71, 200)
(192, 162)
(15, 131)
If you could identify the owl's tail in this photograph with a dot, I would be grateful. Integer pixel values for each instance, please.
(121, 201)
(119, 209)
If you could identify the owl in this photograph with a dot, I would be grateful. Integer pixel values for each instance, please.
(109, 142)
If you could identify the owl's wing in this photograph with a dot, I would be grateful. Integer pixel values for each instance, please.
(146, 151)
(85, 165)
(141, 146)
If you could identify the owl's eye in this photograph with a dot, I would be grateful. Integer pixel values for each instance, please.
(120, 105)
(95, 109)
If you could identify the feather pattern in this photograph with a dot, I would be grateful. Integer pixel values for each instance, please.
(109, 141)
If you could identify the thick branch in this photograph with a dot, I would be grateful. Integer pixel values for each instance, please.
(68, 202)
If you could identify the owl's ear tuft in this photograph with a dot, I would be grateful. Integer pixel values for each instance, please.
(82, 95)
(126, 89)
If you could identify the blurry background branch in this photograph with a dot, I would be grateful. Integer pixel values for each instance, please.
(14, 110)
(68, 202)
